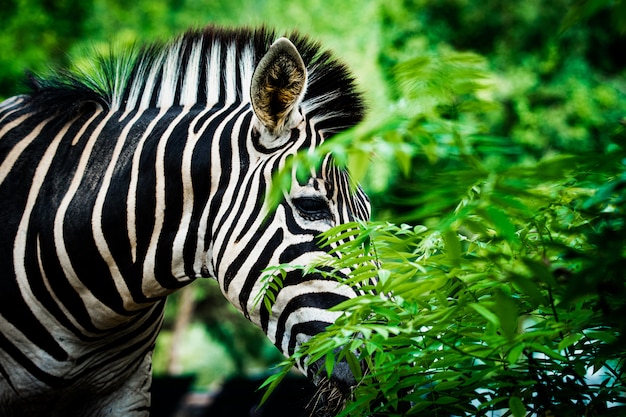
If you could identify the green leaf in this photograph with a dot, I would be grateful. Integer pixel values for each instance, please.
(514, 353)
(329, 363)
(419, 406)
(517, 407)
(354, 364)
(453, 247)
(273, 380)
(281, 184)
(507, 313)
(358, 164)
(445, 399)
(447, 385)
(486, 313)
(540, 271)
(504, 226)
(549, 352)
(569, 340)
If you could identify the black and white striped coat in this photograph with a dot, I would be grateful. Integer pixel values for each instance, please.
(120, 187)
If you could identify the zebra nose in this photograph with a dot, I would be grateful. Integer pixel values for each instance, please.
(332, 392)
(341, 377)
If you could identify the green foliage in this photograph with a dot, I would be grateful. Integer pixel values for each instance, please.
(33, 34)
(464, 321)
(271, 282)
(497, 282)
(512, 303)
(584, 9)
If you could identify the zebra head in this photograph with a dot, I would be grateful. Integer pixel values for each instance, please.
(295, 106)
(121, 186)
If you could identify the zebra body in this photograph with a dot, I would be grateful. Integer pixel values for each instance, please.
(117, 190)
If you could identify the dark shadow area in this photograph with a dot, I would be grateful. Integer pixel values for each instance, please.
(240, 397)
(168, 393)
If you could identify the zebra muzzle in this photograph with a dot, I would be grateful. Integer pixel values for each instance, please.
(332, 392)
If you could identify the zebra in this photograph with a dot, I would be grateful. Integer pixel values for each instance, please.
(123, 183)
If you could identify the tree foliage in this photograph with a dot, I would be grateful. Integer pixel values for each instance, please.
(496, 283)
(515, 300)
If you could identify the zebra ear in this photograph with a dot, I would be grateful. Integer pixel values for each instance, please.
(278, 85)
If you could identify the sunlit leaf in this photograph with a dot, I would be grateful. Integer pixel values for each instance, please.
(486, 313)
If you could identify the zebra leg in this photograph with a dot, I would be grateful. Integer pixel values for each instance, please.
(131, 399)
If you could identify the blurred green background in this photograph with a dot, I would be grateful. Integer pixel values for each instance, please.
(529, 79)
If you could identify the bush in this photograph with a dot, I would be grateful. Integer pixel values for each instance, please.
(499, 285)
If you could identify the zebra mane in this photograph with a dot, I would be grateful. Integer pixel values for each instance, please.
(200, 68)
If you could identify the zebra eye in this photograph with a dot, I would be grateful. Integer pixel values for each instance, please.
(312, 208)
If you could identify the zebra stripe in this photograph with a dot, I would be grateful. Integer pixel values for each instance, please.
(122, 186)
